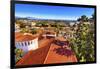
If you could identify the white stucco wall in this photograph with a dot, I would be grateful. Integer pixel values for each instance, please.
(28, 45)
(34, 44)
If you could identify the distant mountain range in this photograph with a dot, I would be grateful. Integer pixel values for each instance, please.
(34, 18)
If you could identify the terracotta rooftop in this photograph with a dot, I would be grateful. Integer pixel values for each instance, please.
(53, 57)
(45, 55)
(36, 56)
(60, 38)
(19, 37)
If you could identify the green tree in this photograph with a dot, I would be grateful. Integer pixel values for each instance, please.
(83, 18)
(83, 42)
(19, 53)
(33, 31)
(24, 30)
(42, 23)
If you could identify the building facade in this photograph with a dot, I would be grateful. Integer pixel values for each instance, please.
(26, 42)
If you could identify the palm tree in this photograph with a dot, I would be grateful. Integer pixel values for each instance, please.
(83, 18)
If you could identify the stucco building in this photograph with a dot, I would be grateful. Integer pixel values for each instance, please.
(26, 41)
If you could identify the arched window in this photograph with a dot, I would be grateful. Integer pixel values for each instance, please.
(22, 44)
(25, 44)
(31, 42)
(16, 45)
(19, 44)
(28, 43)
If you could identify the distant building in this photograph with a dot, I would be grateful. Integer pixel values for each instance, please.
(26, 42)
(72, 23)
(49, 34)
(33, 24)
(17, 27)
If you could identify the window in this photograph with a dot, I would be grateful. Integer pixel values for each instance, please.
(25, 44)
(28, 43)
(22, 44)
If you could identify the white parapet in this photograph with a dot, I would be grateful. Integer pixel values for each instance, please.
(27, 45)
(33, 45)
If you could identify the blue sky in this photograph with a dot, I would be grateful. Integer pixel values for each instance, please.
(51, 12)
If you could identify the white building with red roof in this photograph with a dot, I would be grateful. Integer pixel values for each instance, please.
(26, 41)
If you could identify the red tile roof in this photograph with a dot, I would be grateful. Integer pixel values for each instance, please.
(19, 37)
(36, 56)
(53, 57)
(45, 55)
